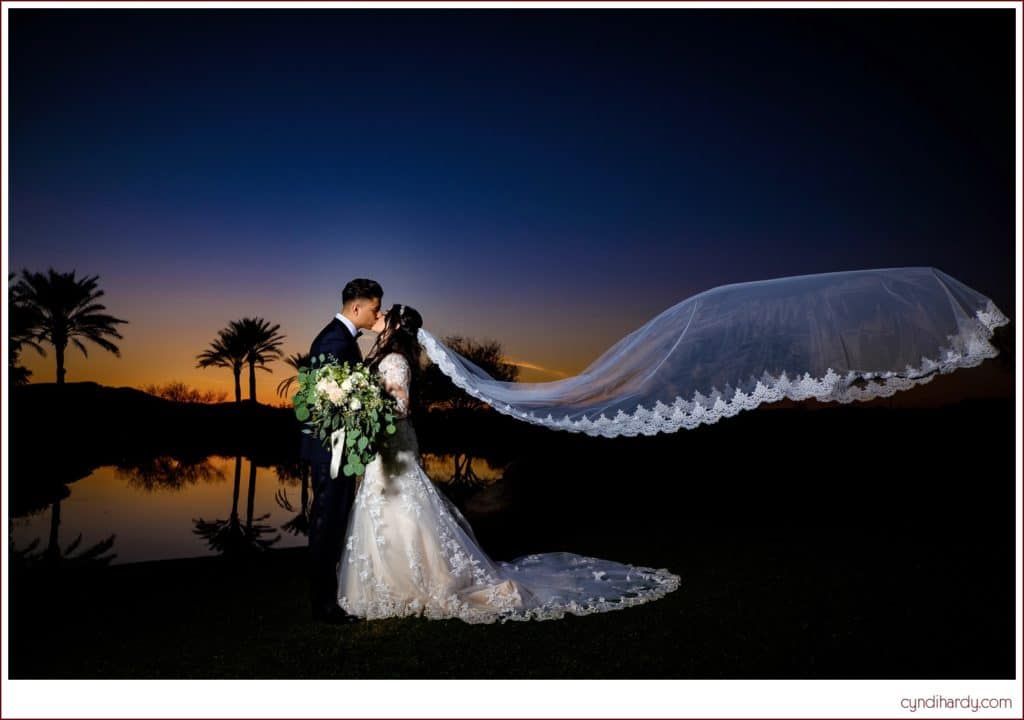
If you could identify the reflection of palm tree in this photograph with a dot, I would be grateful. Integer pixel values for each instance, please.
(226, 351)
(230, 537)
(53, 555)
(464, 473)
(68, 312)
(169, 472)
(299, 524)
(296, 361)
(262, 343)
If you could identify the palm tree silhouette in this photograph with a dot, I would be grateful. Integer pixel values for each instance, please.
(296, 361)
(227, 351)
(262, 343)
(68, 312)
(24, 323)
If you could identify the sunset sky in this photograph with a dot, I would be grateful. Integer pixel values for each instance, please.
(548, 178)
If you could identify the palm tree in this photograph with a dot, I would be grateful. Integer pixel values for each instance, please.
(296, 361)
(262, 343)
(438, 391)
(68, 312)
(24, 321)
(227, 351)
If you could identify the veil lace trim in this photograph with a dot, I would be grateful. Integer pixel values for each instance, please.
(968, 348)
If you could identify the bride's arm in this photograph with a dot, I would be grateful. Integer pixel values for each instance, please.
(396, 375)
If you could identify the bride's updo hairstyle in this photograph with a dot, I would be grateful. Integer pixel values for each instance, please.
(401, 325)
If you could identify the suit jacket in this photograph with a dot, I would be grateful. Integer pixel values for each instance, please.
(336, 340)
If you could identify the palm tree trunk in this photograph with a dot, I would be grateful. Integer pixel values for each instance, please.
(252, 494)
(60, 363)
(238, 384)
(238, 482)
(252, 381)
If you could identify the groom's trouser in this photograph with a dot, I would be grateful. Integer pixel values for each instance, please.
(332, 500)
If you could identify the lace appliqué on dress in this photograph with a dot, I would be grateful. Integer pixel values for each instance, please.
(396, 375)
(409, 551)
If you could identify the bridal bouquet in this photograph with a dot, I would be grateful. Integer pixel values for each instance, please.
(346, 407)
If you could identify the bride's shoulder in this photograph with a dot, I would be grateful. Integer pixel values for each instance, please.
(393, 360)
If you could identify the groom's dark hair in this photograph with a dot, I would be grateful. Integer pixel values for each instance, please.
(361, 289)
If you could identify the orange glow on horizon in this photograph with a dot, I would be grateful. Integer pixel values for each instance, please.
(539, 371)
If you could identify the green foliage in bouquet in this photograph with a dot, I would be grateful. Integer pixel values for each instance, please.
(332, 396)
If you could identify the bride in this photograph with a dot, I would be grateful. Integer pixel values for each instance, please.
(835, 337)
(409, 551)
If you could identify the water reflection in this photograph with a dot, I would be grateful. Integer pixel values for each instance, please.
(472, 483)
(461, 469)
(186, 505)
(170, 472)
(230, 537)
(53, 555)
(161, 507)
(297, 472)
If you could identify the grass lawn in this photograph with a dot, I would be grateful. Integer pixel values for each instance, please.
(827, 606)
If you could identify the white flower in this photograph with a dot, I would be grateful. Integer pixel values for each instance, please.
(335, 395)
(355, 404)
(346, 385)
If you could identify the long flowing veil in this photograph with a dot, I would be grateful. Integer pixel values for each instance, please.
(840, 336)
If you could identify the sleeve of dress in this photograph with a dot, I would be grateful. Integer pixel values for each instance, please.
(395, 374)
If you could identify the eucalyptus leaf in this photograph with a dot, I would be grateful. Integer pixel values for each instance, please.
(349, 470)
(363, 442)
(302, 412)
(391, 429)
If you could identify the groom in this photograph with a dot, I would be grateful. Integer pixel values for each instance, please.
(332, 497)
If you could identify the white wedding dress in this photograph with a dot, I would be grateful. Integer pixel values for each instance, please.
(409, 551)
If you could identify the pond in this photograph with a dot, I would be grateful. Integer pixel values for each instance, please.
(168, 508)
(631, 499)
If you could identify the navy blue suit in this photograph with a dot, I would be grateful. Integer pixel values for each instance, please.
(332, 497)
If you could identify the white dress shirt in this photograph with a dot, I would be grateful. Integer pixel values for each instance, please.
(348, 324)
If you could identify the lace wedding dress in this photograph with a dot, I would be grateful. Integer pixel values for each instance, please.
(409, 551)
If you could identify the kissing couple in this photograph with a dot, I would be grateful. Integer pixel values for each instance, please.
(396, 546)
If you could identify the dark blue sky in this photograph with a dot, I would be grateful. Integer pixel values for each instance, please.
(551, 178)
